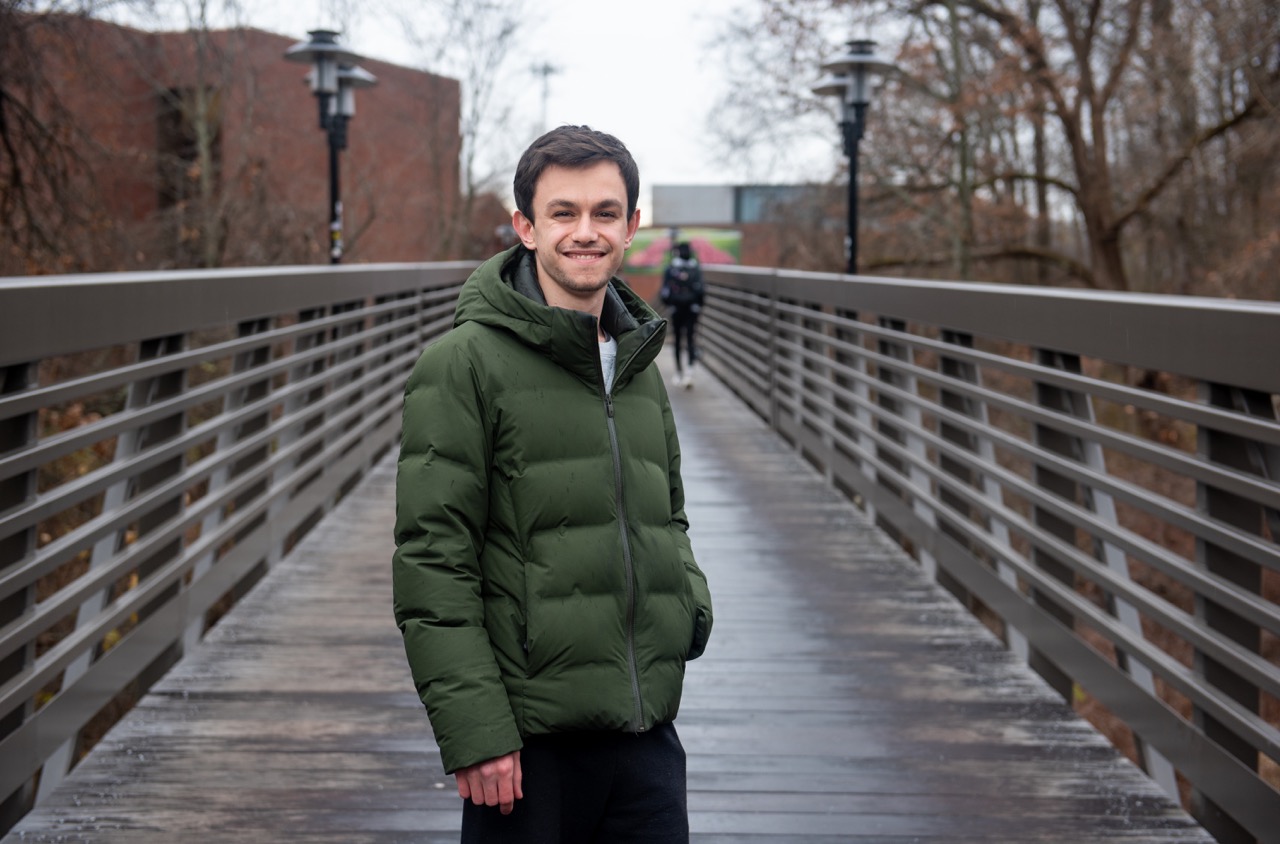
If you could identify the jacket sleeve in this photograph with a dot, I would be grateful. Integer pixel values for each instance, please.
(441, 512)
(697, 580)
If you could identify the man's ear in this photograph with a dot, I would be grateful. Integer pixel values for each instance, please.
(524, 228)
(632, 225)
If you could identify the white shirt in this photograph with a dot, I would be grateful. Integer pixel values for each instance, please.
(608, 360)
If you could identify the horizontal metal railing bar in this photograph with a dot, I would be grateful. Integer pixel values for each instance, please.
(759, 338)
(57, 552)
(1243, 722)
(1247, 485)
(1229, 594)
(66, 599)
(18, 689)
(1232, 597)
(431, 327)
(748, 390)
(1267, 615)
(82, 488)
(741, 311)
(1246, 663)
(160, 304)
(911, 428)
(365, 372)
(58, 445)
(57, 721)
(1228, 782)
(1248, 546)
(1253, 427)
(27, 401)
(756, 364)
(745, 313)
(1140, 330)
(759, 334)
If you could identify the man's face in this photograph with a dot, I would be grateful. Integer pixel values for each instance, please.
(580, 230)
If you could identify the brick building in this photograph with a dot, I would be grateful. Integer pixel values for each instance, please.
(203, 148)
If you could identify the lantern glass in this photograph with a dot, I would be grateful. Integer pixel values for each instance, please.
(325, 79)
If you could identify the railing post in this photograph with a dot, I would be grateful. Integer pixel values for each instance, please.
(858, 411)
(16, 433)
(128, 444)
(1015, 639)
(1250, 457)
(815, 378)
(292, 405)
(195, 626)
(1055, 442)
(918, 489)
(773, 352)
(152, 434)
(1078, 405)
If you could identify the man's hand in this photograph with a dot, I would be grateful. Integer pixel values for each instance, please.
(495, 782)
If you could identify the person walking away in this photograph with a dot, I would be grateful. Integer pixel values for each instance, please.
(682, 292)
(543, 578)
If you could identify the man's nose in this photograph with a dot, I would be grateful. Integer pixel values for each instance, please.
(585, 230)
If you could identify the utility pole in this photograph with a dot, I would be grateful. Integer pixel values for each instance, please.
(544, 70)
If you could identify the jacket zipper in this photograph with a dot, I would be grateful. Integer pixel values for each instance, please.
(628, 563)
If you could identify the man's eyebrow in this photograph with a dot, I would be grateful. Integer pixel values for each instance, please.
(565, 203)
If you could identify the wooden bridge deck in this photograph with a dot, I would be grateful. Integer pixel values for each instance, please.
(843, 698)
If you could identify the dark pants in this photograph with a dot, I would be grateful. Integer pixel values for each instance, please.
(684, 321)
(592, 787)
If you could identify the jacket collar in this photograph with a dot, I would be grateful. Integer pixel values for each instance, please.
(504, 293)
(614, 316)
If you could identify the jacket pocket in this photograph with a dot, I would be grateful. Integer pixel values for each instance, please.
(701, 632)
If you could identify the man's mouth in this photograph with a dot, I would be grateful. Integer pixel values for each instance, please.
(584, 256)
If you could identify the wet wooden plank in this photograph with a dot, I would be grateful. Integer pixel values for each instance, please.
(842, 697)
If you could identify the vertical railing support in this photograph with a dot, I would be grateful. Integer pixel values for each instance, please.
(1249, 457)
(966, 372)
(16, 433)
(918, 490)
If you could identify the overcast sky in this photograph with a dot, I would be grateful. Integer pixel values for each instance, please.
(644, 72)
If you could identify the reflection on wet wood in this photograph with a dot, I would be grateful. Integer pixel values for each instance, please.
(842, 697)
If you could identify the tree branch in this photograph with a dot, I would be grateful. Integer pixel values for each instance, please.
(1175, 164)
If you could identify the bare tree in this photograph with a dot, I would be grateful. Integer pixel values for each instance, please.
(474, 41)
(43, 198)
(1096, 140)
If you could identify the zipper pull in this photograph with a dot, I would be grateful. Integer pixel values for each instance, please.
(608, 404)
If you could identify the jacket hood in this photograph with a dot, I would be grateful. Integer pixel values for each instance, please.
(503, 293)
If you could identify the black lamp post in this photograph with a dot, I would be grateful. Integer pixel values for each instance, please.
(849, 78)
(334, 78)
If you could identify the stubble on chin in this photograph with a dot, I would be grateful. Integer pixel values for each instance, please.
(579, 281)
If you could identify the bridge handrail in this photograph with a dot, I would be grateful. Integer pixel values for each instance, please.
(164, 438)
(1096, 475)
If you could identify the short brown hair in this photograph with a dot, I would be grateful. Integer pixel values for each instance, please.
(573, 146)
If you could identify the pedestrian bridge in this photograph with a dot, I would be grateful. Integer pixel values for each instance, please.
(940, 520)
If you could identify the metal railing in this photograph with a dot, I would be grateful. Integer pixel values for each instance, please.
(164, 438)
(1096, 475)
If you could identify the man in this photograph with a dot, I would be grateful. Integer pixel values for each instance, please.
(682, 291)
(543, 578)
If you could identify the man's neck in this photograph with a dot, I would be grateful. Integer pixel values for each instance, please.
(558, 297)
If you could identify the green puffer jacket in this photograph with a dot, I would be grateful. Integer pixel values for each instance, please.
(543, 577)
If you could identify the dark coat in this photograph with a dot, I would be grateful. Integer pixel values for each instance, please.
(543, 577)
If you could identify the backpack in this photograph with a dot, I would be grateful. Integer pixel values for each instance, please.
(682, 284)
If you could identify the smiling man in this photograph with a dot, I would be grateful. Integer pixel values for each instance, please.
(543, 577)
